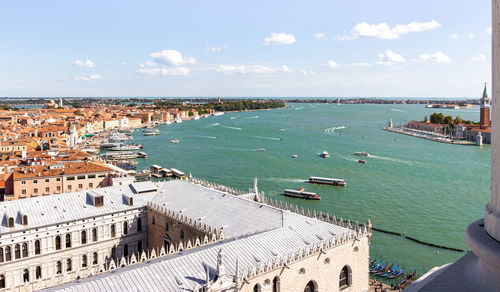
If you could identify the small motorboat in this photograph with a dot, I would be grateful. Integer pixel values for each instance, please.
(174, 141)
(261, 149)
(364, 154)
(362, 161)
(324, 154)
(295, 156)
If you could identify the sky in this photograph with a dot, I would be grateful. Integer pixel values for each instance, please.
(268, 48)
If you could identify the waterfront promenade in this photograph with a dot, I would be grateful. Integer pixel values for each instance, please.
(428, 136)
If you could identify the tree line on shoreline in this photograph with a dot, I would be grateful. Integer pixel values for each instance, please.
(440, 118)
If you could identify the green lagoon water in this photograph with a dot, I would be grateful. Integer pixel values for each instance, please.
(430, 191)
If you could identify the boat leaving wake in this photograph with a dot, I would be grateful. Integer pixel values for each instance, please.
(298, 108)
(210, 137)
(232, 118)
(215, 124)
(331, 130)
(397, 110)
(269, 138)
(396, 160)
(234, 128)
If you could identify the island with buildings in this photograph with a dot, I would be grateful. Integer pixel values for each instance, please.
(446, 129)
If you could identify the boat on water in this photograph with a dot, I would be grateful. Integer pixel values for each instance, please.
(327, 181)
(142, 155)
(295, 156)
(168, 123)
(108, 145)
(174, 141)
(362, 161)
(119, 137)
(178, 120)
(364, 154)
(90, 150)
(155, 132)
(261, 149)
(324, 154)
(218, 114)
(149, 130)
(126, 148)
(119, 155)
(196, 117)
(126, 131)
(301, 194)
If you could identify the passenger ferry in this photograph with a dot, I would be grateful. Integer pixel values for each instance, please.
(126, 148)
(109, 145)
(301, 194)
(177, 173)
(324, 154)
(364, 154)
(327, 181)
(118, 155)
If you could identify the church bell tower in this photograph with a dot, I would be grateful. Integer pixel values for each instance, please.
(484, 121)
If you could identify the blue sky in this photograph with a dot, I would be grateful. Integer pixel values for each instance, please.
(425, 48)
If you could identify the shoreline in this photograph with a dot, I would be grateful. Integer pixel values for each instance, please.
(412, 134)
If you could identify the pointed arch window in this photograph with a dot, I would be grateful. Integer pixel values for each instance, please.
(38, 272)
(84, 261)
(84, 236)
(25, 250)
(276, 284)
(8, 253)
(94, 234)
(17, 251)
(59, 267)
(113, 230)
(26, 275)
(345, 277)
(37, 247)
(58, 242)
(68, 240)
(68, 265)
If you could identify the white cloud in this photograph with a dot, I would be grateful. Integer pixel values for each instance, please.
(91, 77)
(86, 63)
(95, 77)
(489, 29)
(333, 64)
(361, 64)
(389, 58)
(243, 69)
(277, 39)
(478, 58)
(467, 36)
(384, 31)
(177, 71)
(214, 48)
(148, 64)
(172, 57)
(285, 69)
(437, 57)
(308, 72)
(320, 36)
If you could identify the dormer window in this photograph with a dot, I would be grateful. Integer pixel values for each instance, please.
(25, 220)
(11, 222)
(99, 201)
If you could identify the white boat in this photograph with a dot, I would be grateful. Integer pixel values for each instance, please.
(301, 194)
(168, 122)
(295, 156)
(364, 154)
(152, 133)
(119, 155)
(90, 150)
(109, 145)
(174, 141)
(141, 154)
(147, 130)
(117, 137)
(178, 120)
(324, 154)
(261, 149)
(327, 181)
(177, 173)
(218, 114)
(126, 148)
(196, 117)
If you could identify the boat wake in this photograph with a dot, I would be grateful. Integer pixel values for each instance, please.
(396, 160)
(269, 138)
(282, 130)
(348, 158)
(215, 124)
(232, 118)
(276, 179)
(397, 110)
(209, 137)
(298, 108)
(234, 128)
(331, 131)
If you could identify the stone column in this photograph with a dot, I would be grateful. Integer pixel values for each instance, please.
(492, 212)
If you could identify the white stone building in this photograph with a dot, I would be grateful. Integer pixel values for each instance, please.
(177, 236)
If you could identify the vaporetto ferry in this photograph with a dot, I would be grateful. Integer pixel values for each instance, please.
(301, 194)
(327, 181)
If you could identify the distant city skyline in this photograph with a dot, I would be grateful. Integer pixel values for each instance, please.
(235, 49)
